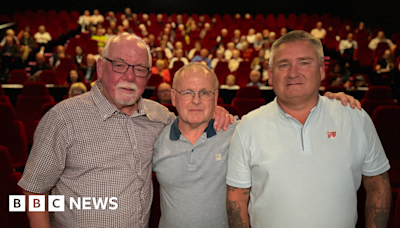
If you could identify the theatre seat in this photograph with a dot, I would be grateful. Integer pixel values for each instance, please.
(29, 105)
(248, 99)
(3, 97)
(376, 96)
(17, 76)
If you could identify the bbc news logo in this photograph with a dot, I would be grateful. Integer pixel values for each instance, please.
(56, 203)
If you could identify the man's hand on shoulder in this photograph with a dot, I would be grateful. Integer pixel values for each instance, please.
(344, 98)
(222, 119)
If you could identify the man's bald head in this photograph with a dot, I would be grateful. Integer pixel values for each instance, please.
(193, 67)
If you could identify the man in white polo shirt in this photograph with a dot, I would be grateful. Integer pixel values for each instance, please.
(301, 158)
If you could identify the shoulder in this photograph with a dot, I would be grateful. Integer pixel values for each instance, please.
(343, 113)
(157, 111)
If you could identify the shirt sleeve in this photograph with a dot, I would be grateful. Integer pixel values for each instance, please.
(239, 171)
(46, 161)
(375, 162)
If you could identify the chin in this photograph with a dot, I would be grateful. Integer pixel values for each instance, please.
(129, 101)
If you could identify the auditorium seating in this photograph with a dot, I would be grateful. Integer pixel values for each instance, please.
(248, 99)
(3, 97)
(376, 96)
(48, 77)
(12, 135)
(154, 80)
(17, 76)
(29, 104)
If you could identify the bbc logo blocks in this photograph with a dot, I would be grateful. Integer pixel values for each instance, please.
(16, 203)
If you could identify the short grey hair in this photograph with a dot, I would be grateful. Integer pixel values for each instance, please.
(194, 65)
(126, 35)
(294, 36)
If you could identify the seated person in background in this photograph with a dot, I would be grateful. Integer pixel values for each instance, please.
(359, 82)
(100, 38)
(109, 33)
(223, 38)
(179, 57)
(385, 68)
(164, 93)
(9, 33)
(242, 40)
(42, 37)
(9, 52)
(319, 32)
(264, 71)
(79, 56)
(73, 76)
(202, 57)
(337, 81)
(229, 51)
(271, 37)
(111, 17)
(267, 49)
(55, 58)
(90, 68)
(259, 42)
(99, 53)
(219, 58)
(36, 70)
(255, 64)
(77, 89)
(197, 48)
(380, 37)
(28, 45)
(283, 31)
(205, 30)
(265, 34)
(255, 77)
(97, 18)
(251, 36)
(160, 69)
(340, 71)
(179, 45)
(21, 33)
(85, 20)
(236, 36)
(159, 54)
(246, 52)
(233, 64)
(167, 51)
(347, 47)
(230, 83)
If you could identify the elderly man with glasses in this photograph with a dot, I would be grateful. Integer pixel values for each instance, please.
(100, 144)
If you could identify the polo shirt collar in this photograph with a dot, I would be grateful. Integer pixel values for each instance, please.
(106, 109)
(287, 115)
(175, 133)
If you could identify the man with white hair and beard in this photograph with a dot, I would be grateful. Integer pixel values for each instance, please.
(99, 144)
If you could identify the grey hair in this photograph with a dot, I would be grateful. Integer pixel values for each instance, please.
(294, 36)
(126, 35)
(194, 65)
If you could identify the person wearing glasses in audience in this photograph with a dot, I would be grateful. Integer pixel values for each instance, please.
(99, 144)
(190, 157)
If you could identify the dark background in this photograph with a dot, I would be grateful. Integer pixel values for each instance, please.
(379, 13)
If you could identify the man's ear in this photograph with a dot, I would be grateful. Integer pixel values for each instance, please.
(322, 71)
(216, 97)
(270, 76)
(99, 66)
(173, 94)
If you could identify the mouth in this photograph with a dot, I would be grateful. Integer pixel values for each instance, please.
(127, 90)
(294, 84)
(195, 110)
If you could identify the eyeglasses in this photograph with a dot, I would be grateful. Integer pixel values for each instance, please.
(189, 94)
(122, 68)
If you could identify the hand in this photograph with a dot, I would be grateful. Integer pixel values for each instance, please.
(344, 98)
(222, 119)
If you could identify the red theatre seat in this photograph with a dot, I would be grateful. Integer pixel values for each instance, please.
(29, 105)
(387, 124)
(376, 96)
(12, 135)
(8, 183)
(154, 80)
(48, 77)
(248, 99)
(3, 97)
(17, 76)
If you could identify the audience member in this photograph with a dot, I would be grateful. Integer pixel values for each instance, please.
(229, 51)
(21, 33)
(164, 93)
(246, 52)
(242, 40)
(77, 89)
(337, 81)
(265, 34)
(42, 37)
(128, 13)
(179, 45)
(89, 68)
(340, 71)
(73, 76)
(203, 57)
(373, 44)
(100, 38)
(9, 52)
(271, 37)
(282, 32)
(230, 83)
(40, 65)
(167, 51)
(85, 20)
(319, 32)
(347, 47)
(236, 36)
(264, 72)
(109, 33)
(145, 20)
(111, 17)
(9, 33)
(160, 69)
(28, 46)
(206, 29)
(267, 49)
(219, 58)
(233, 63)
(359, 82)
(179, 57)
(160, 55)
(255, 77)
(255, 64)
(223, 37)
(79, 56)
(385, 68)
(55, 58)
(259, 42)
(97, 18)
(251, 36)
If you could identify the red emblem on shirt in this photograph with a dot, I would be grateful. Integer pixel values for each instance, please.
(331, 134)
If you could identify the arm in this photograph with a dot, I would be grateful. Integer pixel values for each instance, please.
(38, 219)
(344, 98)
(236, 206)
(222, 118)
(378, 201)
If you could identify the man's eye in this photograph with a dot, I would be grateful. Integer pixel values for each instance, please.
(203, 92)
(188, 92)
(303, 63)
(283, 66)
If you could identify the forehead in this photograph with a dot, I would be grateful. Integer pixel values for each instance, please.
(294, 50)
(129, 49)
(195, 77)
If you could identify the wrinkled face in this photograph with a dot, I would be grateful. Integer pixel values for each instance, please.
(73, 75)
(296, 72)
(164, 93)
(195, 111)
(123, 90)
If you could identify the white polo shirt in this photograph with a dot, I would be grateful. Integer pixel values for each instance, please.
(304, 176)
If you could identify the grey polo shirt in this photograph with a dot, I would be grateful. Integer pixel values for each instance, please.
(192, 177)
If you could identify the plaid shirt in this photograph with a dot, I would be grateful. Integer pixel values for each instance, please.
(85, 147)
